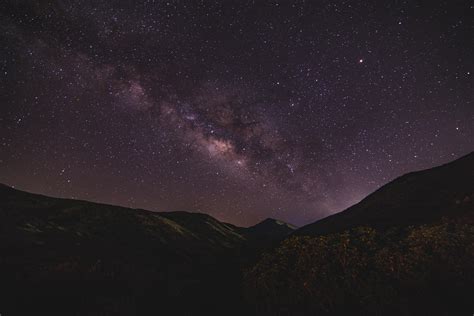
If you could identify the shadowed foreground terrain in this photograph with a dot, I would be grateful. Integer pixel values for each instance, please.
(408, 248)
(68, 256)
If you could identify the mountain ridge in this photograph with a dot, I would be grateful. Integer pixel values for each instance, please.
(132, 256)
(185, 223)
(4, 186)
(449, 186)
(126, 254)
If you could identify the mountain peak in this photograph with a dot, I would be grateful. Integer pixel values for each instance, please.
(270, 227)
(274, 222)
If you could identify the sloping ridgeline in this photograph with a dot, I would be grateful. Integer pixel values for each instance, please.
(406, 249)
(61, 256)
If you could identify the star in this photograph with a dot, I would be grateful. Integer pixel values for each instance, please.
(235, 115)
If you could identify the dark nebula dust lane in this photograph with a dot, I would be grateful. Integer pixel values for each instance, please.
(239, 109)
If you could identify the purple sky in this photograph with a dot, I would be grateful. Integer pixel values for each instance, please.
(240, 109)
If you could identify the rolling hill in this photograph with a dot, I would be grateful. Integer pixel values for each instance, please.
(103, 253)
(414, 198)
(62, 256)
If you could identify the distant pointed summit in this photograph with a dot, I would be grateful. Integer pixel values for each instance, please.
(271, 228)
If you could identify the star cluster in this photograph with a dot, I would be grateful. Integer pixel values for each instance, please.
(240, 109)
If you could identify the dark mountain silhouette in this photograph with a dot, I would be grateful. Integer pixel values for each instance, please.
(262, 237)
(28, 213)
(414, 198)
(37, 217)
(270, 228)
(62, 256)
(406, 249)
(126, 254)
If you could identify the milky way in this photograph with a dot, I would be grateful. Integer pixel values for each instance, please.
(239, 109)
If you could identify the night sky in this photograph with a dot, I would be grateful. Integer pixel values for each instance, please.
(240, 109)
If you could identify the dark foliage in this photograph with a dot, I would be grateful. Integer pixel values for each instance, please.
(425, 270)
(388, 255)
